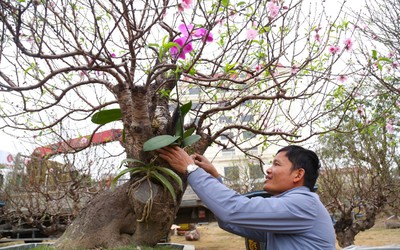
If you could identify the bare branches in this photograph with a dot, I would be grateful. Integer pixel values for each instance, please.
(273, 84)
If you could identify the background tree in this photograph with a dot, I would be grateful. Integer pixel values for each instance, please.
(360, 172)
(61, 62)
(377, 26)
(47, 195)
(244, 176)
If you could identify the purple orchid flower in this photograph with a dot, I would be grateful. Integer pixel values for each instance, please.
(185, 41)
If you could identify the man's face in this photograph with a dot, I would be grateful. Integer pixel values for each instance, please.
(280, 176)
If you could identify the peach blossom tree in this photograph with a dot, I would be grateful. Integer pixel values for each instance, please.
(263, 68)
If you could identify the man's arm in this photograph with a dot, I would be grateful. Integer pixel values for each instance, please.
(294, 215)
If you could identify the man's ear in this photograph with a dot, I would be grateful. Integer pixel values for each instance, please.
(299, 175)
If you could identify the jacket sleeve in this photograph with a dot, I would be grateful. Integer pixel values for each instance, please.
(244, 216)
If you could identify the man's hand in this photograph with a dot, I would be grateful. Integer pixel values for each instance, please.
(205, 164)
(176, 157)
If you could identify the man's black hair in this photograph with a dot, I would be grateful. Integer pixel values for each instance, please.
(305, 159)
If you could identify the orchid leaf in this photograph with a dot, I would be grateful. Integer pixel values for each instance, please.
(159, 142)
(190, 140)
(172, 174)
(106, 116)
(165, 183)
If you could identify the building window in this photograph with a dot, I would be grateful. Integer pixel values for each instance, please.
(246, 103)
(253, 150)
(247, 118)
(225, 136)
(228, 151)
(194, 90)
(248, 135)
(195, 105)
(231, 173)
(225, 119)
(255, 171)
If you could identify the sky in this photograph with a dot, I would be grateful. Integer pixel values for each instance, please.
(12, 145)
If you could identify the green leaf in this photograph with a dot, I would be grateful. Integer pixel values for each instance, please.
(153, 45)
(133, 171)
(225, 3)
(185, 108)
(131, 161)
(374, 54)
(188, 132)
(165, 183)
(385, 59)
(179, 128)
(105, 116)
(190, 140)
(170, 45)
(172, 174)
(159, 142)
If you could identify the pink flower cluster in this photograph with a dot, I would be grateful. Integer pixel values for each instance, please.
(342, 78)
(389, 127)
(360, 111)
(273, 9)
(251, 34)
(348, 44)
(185, 41)
(186, 4)
(334, 49)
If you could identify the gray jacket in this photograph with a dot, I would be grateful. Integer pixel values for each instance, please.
(295, 219)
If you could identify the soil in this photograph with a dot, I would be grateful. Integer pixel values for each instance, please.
(214, 238)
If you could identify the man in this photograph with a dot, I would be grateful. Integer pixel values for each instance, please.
(293, 218)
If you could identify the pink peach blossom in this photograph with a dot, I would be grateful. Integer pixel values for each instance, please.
(317, 37)
(389, 128)
(348, 44)
(294, 69)
(83, 140)
(342, 78)
(334, 49)
(187, 4)
(273, 9)
(360, 111)
(251, 34)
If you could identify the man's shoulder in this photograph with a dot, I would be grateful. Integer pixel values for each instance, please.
(300, 195)
(298, 191)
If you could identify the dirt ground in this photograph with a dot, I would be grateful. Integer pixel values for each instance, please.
(214, 238)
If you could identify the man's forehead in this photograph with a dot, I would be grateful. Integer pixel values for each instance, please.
(281, 156)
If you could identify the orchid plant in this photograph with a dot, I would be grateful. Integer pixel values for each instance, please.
(178, 50)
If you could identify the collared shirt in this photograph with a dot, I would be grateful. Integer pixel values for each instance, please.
(295, 219)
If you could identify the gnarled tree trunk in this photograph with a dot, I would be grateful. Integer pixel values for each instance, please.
(141, 211)
(122, 217)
